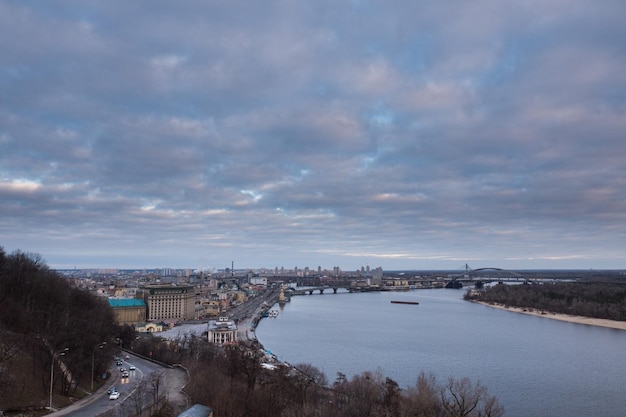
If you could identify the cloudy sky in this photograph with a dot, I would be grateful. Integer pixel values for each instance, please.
(404, 134)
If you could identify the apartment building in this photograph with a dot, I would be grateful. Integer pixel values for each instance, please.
(169, 303)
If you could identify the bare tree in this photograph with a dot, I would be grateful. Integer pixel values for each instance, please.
(138, 399)
(9, 346)
(423, 399)
(461, 398)
(159, 397)
(307, 381)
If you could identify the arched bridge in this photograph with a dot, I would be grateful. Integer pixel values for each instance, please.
(488, 274)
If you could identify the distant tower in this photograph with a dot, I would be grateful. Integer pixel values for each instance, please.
(232, 268)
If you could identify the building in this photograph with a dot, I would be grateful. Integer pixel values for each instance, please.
(130, 311)
(149, 327)
(222, 331)
(258, 281)
(170, 303)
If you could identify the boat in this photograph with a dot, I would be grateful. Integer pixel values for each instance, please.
(404, 302)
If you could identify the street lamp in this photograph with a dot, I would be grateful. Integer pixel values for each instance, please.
(93, 356)
(54, 356)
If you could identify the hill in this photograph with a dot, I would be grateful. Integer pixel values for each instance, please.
(43, 316)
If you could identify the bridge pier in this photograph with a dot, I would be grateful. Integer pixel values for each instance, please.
(334, 290)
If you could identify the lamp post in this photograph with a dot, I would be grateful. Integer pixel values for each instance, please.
(54, 356)
(93, 356)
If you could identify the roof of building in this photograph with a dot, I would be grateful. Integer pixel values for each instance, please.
(126, 302)
(197, 410)
(221, 325)
(172, 289)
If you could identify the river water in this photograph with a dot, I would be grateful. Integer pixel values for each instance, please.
(535, 366)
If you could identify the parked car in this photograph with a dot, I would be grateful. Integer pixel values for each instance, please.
(114, 395)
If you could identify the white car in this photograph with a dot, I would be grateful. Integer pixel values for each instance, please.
(131, 368)
(114, 395)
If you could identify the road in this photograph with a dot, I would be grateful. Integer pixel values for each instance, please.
(139, 381)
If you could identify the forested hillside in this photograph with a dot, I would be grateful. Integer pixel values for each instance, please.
(40, 313)
(605, 300)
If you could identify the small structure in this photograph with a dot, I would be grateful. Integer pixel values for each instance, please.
(149, 327)
(197, 410)
(282, 299)
(222, 331)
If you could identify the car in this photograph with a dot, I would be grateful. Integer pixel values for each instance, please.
(122, 369)
(131, 368)
(111, 390)
(120, 363)
(114, 395)
(125, 374)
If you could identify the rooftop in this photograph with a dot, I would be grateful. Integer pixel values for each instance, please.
(126, 302)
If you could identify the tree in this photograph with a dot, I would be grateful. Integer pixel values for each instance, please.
(423, 399)
(461, 398)
(307, 380)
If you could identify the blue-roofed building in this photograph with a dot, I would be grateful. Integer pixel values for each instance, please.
(130, 311)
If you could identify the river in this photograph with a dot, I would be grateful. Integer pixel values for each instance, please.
(535, 366)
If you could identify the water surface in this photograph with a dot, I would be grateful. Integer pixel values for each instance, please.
(534, 365)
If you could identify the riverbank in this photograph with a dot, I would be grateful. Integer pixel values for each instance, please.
(613, 324)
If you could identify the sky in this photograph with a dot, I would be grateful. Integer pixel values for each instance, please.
(404, 134)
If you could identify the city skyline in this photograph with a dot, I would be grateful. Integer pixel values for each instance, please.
(402, 134)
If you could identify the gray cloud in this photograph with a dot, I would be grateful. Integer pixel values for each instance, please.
(400, 134)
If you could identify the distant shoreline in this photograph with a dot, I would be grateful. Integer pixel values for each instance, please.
(613, 324)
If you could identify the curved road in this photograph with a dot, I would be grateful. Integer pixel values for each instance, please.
(173, 380)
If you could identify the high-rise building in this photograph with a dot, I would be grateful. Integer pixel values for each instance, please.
(169, 302)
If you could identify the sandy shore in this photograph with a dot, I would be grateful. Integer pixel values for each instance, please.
(620, 325)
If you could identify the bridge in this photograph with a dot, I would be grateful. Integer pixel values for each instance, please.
(489, 274)
(334, 285)
(432, 279)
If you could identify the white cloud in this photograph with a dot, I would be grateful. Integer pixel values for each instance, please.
(412, 133)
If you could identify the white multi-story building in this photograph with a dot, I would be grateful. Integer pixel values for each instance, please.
(222, 331)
